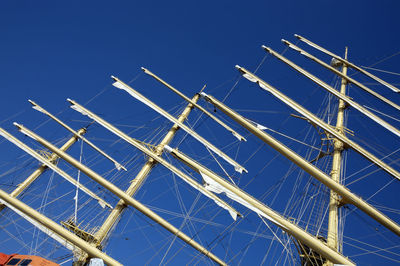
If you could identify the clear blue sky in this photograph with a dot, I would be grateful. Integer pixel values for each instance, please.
(50, 51)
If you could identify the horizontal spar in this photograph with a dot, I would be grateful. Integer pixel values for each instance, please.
(42, 110)
(155, 157)
(341, 190)
(340, 74)
(121, 85)
(390, 86)
(330, 89)
(215, 183)
(234, 133)
(121, 194)
(314, 119)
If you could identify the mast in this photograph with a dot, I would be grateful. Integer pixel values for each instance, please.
(315, 172)
(333, 220)
(57, 229)
(120, 194)
(344, 61)
(219, 185)
(32, 177)
(315, 120)
(121, 85)
(237, 135)
(136, 183)
(142, 175)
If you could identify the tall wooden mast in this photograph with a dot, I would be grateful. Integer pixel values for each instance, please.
(53, 158)
(141, 176)
(136, 183)
(119, 193)
(332, 239)
(344, 192)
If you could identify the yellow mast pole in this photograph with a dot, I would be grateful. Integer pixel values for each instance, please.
(58, 229)
(317, 121)
(344, 61)
(329, 88)
(237, 135)
(347, 195)
(337, 72)
(333, 220)
(122, 195)
(252, 203)
(137, 182)
(30, 179)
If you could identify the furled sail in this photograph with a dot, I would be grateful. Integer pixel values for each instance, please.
(119, 84)
(42, 110)
(213, 186)
(390, 86)
(347, 195)
(286, 100)
(234, 133)
(347, 78)
(146, 151)
(346, 99)
(53, 167)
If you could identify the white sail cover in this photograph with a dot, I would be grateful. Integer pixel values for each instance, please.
(220, 203)
(213, 186)
(160, 160)
(50, 165)
(144, 100)
(40, 109)
(201, 189)
(346, 99)
(237, 135)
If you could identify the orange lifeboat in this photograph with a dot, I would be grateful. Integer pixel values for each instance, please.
(17, 259)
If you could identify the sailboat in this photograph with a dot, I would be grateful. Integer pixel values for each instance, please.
(222, 177)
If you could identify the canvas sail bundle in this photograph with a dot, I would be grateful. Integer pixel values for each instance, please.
(119, 84)
(234, 133)
(51, 165)
(344, 98)
(390, 86)
(139, 146)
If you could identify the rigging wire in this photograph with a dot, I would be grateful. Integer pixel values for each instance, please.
(385, 59)
(384, 71)
(77, 186)
(376, 111)
(186, 215)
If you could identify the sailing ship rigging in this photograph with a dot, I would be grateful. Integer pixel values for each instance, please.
(229, 206)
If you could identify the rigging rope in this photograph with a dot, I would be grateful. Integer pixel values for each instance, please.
(384, 71)
(77, 186)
